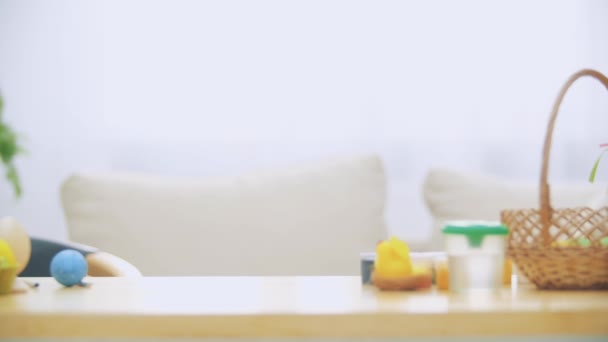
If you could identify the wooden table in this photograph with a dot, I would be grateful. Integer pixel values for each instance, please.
(289, 307)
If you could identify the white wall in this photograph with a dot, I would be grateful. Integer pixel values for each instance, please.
(223, 87)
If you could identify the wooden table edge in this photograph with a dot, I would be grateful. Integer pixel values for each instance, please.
(379, 325)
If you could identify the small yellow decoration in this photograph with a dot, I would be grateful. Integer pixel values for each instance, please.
(508, 270)
(442, 275)
(418, 269)
(8, 267)
(393, 259)
(7, 257)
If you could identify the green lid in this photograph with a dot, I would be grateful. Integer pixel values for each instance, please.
(475, 230)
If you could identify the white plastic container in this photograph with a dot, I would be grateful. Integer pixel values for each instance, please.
(476, 255)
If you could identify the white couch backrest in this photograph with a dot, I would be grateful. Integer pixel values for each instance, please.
(455, 195)
(309, 220)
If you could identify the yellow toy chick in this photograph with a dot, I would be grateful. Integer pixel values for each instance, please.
(392, 259)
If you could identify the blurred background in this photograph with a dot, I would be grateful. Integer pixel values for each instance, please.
(219, 88)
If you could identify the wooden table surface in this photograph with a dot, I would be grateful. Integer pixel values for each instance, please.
(289, 307)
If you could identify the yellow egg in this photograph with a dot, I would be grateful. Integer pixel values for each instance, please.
(563, 243)
(6, 254)
(17, 238)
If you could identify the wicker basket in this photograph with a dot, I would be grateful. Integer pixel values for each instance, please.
(535, 241)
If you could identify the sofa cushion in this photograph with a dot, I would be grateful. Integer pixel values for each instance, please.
(455, 195)
(307, 220)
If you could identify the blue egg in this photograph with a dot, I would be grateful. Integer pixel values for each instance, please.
(69, 267)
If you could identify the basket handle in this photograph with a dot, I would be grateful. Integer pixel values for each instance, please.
(545, 197)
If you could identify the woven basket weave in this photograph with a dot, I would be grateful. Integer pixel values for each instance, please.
(534, 233)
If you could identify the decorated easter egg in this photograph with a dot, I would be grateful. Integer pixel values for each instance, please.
(7, 257)
(8, 268)
(69, 267)
(15, 235)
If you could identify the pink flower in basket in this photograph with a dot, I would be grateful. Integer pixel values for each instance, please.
(597, 162)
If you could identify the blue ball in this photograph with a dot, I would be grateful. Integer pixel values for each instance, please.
(69, 267)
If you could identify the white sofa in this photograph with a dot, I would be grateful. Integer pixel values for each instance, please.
(306, 220)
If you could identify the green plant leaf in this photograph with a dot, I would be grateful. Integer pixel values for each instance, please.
(8, 144)
(595, 166)
(9, 149)
(13, 178)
